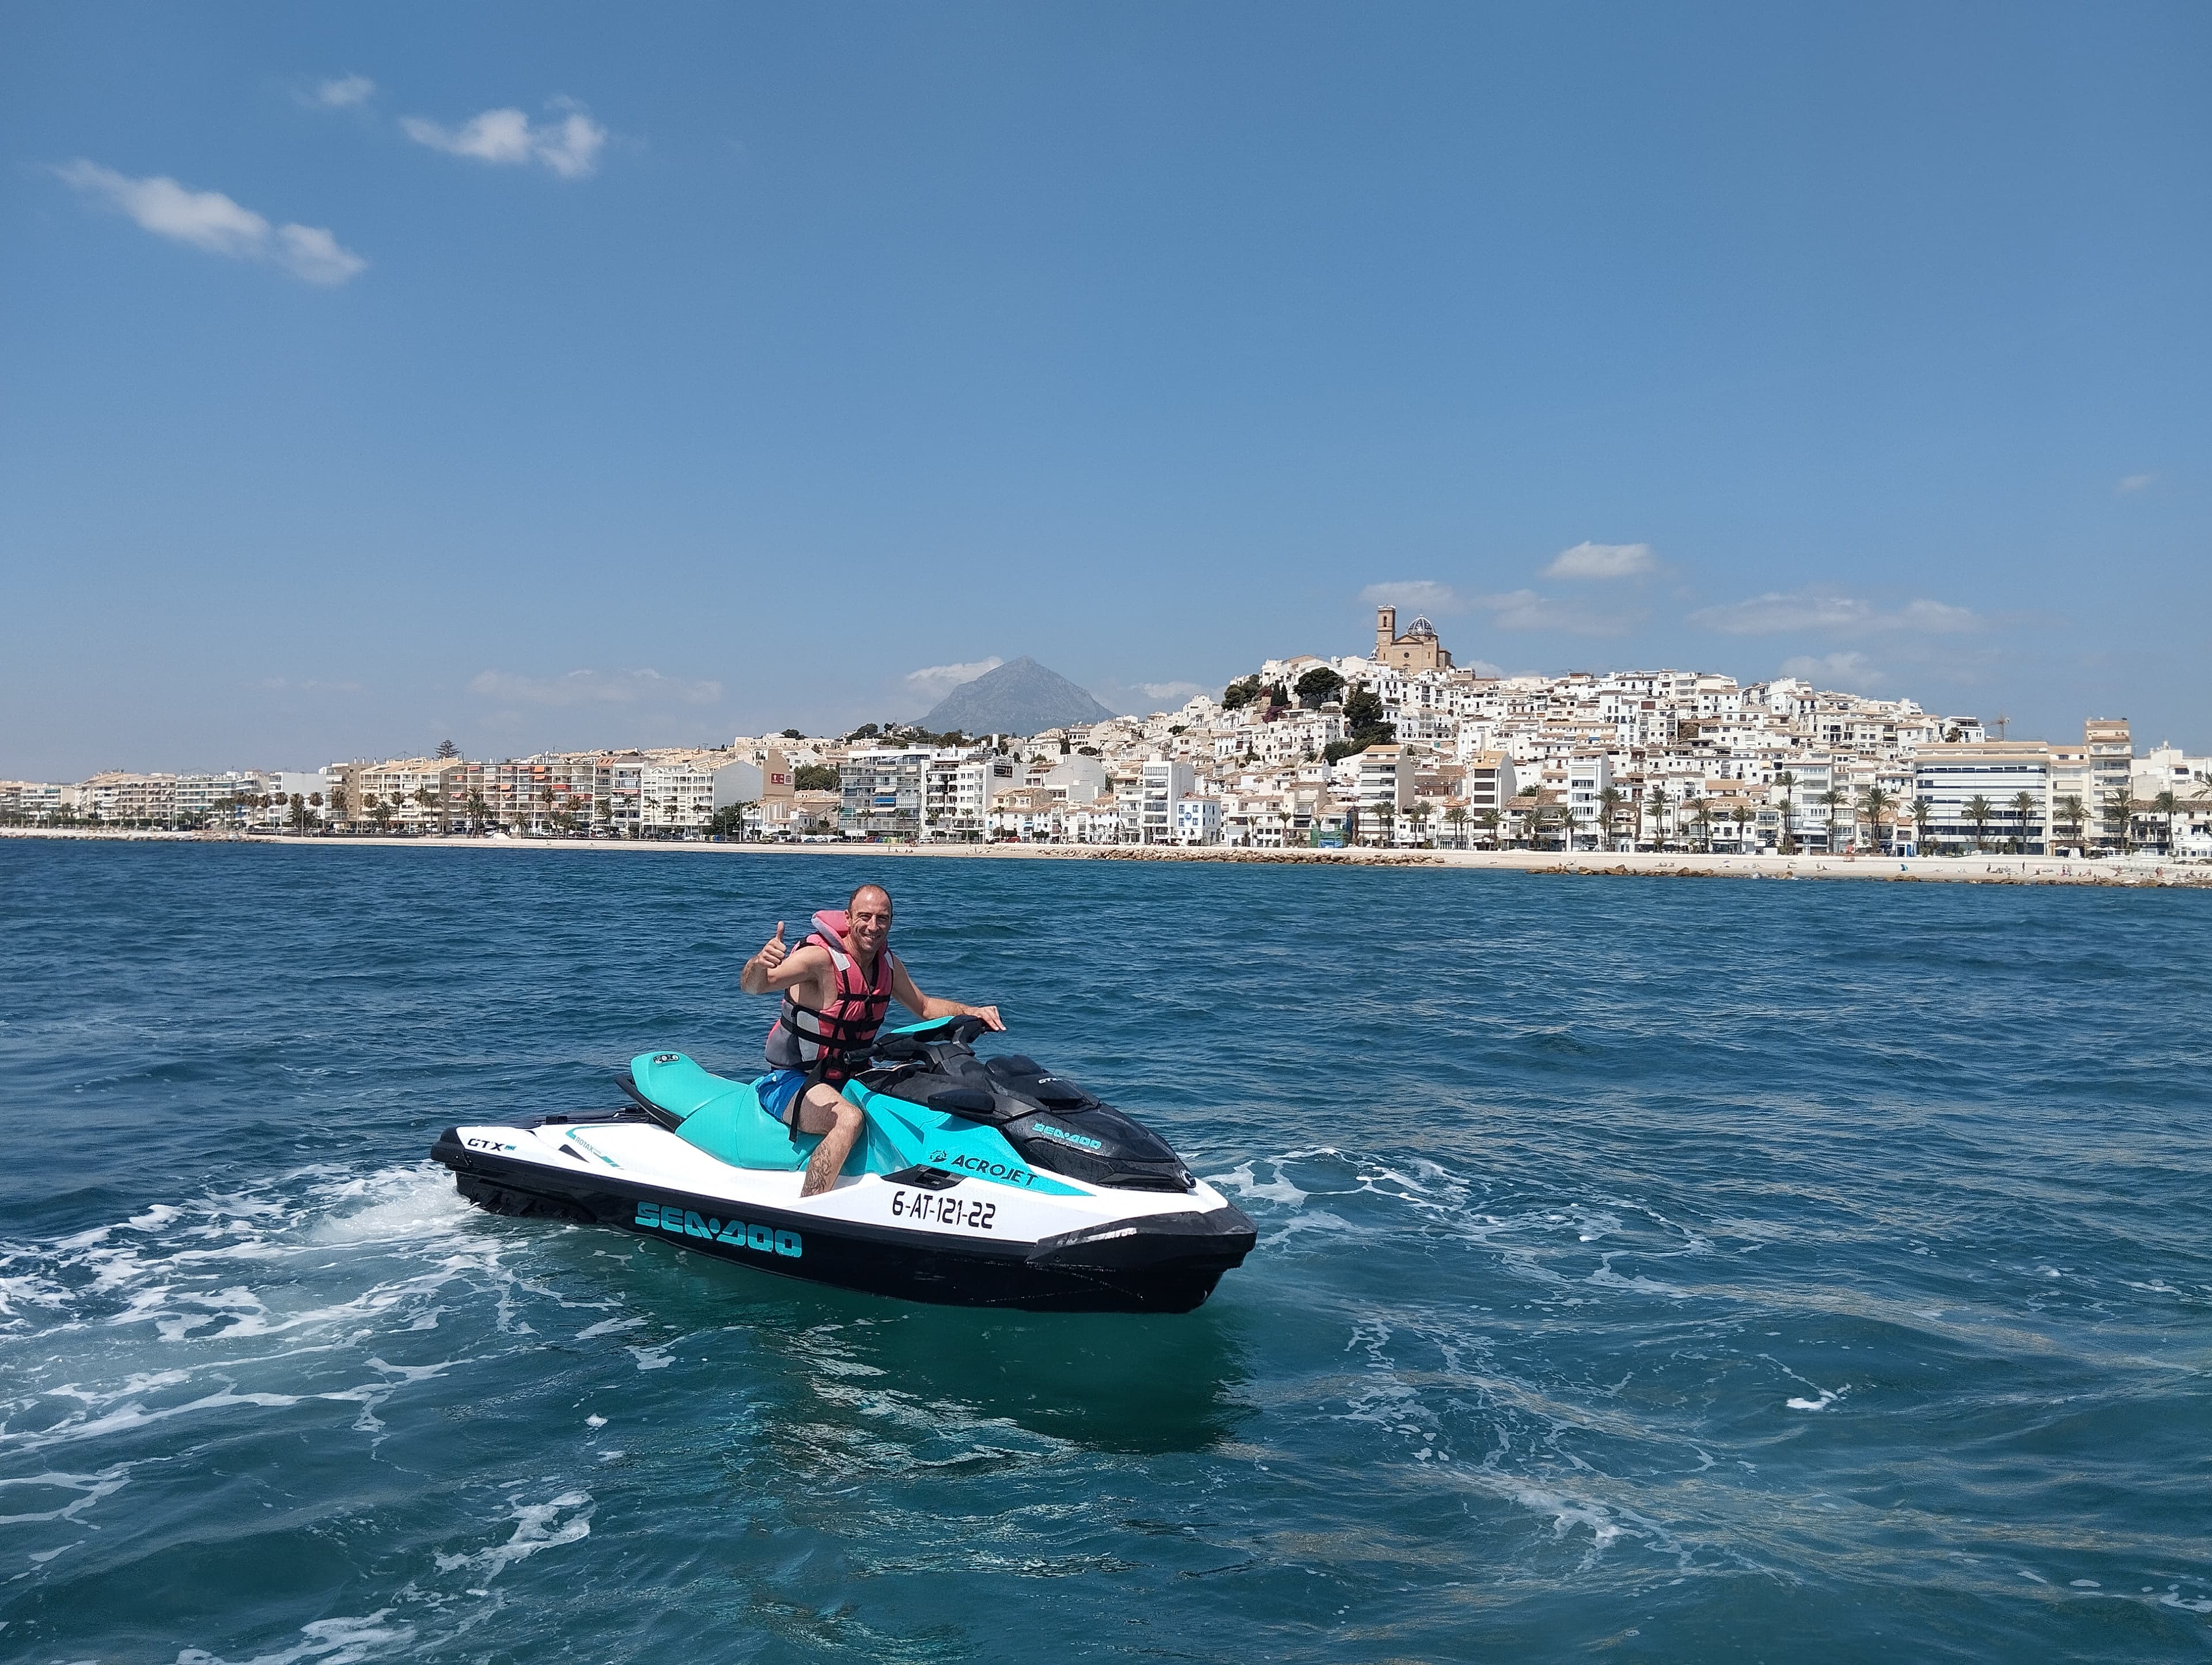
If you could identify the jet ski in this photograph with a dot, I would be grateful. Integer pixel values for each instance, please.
(985, 1182)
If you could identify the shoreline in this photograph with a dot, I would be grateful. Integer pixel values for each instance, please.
(2133, 871)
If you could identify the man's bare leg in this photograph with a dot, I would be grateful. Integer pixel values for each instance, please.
(826, 1111)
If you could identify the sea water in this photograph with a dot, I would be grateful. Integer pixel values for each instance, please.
(1668, 1269)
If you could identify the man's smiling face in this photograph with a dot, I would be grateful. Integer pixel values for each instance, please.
(868, 920)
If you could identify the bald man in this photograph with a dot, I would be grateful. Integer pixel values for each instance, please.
(836, 986)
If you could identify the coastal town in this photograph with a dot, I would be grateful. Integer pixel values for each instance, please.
(1396, 747)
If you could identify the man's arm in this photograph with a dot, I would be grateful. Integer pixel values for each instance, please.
(925, 1007)
(777, 968)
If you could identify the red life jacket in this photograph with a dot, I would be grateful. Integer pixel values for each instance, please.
(802, 1038)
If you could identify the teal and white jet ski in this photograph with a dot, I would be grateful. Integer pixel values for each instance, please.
(978, 1182)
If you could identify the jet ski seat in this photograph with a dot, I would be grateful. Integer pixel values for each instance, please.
(724, 1118)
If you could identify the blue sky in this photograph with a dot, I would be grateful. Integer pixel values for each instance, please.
(558, 375)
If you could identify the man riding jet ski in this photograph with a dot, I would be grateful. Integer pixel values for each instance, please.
(849, 976)
(989, 1182)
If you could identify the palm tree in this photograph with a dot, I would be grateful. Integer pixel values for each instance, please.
(1526, 800)
(1489, 819)
(1787, 841)
(338, 803)
(1980, 809)
(2070, 816)
(423, 799)
(1741, 815)
(1833, 799)
(2025, 806)
(1876, 803)
(1688, 807)
(2165, 804)
(379, 811)
(1704, 820)
(1609, 810)
(1656, 803)
(1457, 816)
(476, 811)
(1922, 811)
(2120, 807)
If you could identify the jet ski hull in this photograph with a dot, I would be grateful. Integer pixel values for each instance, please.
(1167, 1259)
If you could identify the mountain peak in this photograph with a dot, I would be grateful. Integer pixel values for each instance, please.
(1019, 697)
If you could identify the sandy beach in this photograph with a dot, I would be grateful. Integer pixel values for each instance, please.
(1988, 869)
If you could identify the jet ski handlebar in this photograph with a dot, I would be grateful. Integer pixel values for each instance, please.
(898, 1045)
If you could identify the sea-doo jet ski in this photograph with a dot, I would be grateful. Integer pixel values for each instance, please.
(978, 1181)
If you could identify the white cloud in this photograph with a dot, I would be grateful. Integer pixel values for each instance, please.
(1775, 614)
(1525, 609)
(2134, 483)
(1422, 595)
(595, 688)
(1849, 672)
(570, 146)
(1603, 561)
(310, 252)
(1930, 618)
(933, 682)
(1176, 692)
(342, 92)
(210, 221)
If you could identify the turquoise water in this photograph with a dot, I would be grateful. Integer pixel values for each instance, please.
(1660, 1269)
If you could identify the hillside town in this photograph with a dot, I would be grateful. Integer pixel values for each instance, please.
(1395, 747)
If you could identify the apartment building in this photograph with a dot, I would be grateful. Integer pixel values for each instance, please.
(129, 799)
(203, 799)
(1383, 778)
(681, 794)
(415, 794)
(1149, 814)
(883, 790)
(956, 794)
(32, 800)
(1995, 794)
(1589, 777)
(1488, 782)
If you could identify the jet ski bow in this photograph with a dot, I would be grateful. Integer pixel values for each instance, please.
(978, 1182)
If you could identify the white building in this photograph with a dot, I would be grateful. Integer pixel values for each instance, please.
(884, 789)
(1197, 820)
(682, 794)
(1164, 781)
(1383, 778)
(957, 792)
(1589, 777)
(30, 800)
(1076, 779)
(1995, 795)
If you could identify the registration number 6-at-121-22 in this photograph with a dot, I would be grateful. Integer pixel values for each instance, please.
(941, 1210)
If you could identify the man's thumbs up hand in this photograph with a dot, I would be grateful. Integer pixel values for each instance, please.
(773, 951)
